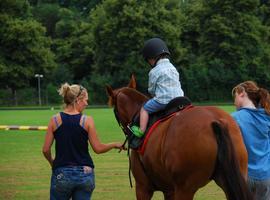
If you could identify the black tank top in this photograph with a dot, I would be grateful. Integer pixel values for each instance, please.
(71, 146)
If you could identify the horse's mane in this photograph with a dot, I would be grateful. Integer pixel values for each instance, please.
(134, 94)
(131, 92)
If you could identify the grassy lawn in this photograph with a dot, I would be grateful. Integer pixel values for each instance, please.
(25, 174)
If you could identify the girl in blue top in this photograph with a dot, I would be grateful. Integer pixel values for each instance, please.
(163, 84)
(253, 118)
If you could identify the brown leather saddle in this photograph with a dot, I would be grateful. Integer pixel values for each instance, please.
(175, 105)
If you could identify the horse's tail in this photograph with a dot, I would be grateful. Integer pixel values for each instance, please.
(227, 169)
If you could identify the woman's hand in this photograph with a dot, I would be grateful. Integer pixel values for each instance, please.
(120, 146)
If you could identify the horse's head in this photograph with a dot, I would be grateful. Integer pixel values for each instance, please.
(126, 101)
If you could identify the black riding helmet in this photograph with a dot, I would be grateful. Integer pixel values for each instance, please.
(154, 47)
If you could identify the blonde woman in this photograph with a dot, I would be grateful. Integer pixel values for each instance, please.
(253, 118)
(73, 168)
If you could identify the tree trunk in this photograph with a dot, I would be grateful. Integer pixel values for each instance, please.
(14, 96)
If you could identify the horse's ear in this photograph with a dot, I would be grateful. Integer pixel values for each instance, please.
(132, 82)
(109, 90)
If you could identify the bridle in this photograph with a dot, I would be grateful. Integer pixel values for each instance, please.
(120, 122)
(124, 126)
(126, 129)
(128, 133)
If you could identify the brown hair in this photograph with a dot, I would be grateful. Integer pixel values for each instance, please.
(70, 93)
(260, 97)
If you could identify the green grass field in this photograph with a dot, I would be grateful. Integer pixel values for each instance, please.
(25, 174)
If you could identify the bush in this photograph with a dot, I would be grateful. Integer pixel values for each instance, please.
(27, 96)
(52, 94)
(5, 97)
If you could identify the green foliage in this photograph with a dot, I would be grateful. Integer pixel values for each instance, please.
(120, 28)
(196, 83)
(84, 6)
(27, 96)
(24, 48)
(53, 96)
(15, 8)
(96, 88)
(264, 12)
(6, 97)
(75, 52)
(227, 38)
(61, 75)
(234, 43)
(48, 15)
(214, 44)
(25, 51)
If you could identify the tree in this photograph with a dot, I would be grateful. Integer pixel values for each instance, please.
(24, 48)
(233, 36)
(73, 45)
(48, 15)
(229, 44)
(264, 12)
(119, 30)
(15, 8)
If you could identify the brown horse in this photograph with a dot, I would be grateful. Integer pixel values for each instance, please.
(186, 151)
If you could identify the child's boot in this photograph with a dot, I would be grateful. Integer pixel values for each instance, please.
(137, 131)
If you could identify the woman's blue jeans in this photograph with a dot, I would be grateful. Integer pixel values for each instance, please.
(77, 182)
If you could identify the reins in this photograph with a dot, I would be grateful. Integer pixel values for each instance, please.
(127, 132)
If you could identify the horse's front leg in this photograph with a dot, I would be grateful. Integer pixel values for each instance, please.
(144, 189)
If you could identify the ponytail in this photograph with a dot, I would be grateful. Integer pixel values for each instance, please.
(265, 100)
(70, 93)
(260, 97)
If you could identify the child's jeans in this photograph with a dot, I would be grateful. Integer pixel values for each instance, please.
(152, 106)
(77, 182)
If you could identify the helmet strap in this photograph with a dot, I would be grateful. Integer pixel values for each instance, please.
(157, 59)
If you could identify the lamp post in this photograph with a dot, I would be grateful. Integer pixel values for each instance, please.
(39, 76)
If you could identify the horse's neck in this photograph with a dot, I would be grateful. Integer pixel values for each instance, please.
(138, 97)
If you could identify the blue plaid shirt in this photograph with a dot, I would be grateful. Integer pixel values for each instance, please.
(164, 84)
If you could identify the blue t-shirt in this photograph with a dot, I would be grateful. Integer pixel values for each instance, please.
(255, 128)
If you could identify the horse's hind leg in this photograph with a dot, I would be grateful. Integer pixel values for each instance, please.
(168, 195)
(183, 195)
(143, 193)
